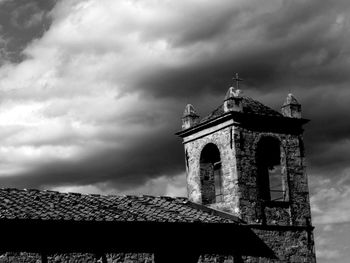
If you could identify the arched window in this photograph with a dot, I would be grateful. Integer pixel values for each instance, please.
(270, 182)
(211, 175)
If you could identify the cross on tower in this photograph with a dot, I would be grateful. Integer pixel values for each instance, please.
(237, 79)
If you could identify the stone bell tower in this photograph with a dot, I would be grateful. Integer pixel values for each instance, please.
(248, 160)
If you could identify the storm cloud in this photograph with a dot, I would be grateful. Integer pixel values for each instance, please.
(92, 92)
(99, 94)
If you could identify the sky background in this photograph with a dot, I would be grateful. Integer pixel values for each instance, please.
(92, 92)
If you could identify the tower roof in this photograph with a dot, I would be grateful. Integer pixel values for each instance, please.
(243, 109)
(250, 106)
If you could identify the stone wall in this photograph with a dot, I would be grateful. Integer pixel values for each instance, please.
(284, 226)
(296, 210)
(11, 257)
(297, 251)
(238, 146)
(293, 245)
(221, 136)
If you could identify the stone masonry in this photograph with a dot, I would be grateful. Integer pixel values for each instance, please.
(236, 128)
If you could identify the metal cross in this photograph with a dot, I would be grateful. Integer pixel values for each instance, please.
(237, 79)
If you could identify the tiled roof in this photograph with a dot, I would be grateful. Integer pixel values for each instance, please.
(250, 106)
(50, 205)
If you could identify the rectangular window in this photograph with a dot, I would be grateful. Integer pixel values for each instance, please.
(219, 197)
(277, 189)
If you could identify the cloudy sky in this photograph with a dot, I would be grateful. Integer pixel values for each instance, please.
(92, 91)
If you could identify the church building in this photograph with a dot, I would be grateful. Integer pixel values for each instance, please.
(248, 201)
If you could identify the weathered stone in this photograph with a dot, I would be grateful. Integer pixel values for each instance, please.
(291, 107)
(286, 222)
(77, 258)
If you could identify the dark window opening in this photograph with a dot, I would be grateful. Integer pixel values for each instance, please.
(187, 157)
(270, 181)
(211, 175)
(218, 183)
(275, 182)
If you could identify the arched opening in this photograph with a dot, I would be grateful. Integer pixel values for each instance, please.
(211, 175)
(270, 182)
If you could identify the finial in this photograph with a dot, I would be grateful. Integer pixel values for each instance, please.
(189, 111)
(233, 100)
(233, 93)
(290, 99)
(190, 117)
(291, 107)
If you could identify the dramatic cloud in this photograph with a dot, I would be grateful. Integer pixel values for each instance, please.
(21, 22)
(27, 15)
(98, 92)
(92, 91)
(331, 215)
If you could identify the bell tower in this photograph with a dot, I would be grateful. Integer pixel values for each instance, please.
(248, 160)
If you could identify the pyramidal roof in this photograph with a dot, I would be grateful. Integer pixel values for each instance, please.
(250, 106)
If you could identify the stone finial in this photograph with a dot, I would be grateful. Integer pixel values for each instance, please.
(291, 107)
(190, 117)
(233, 100)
